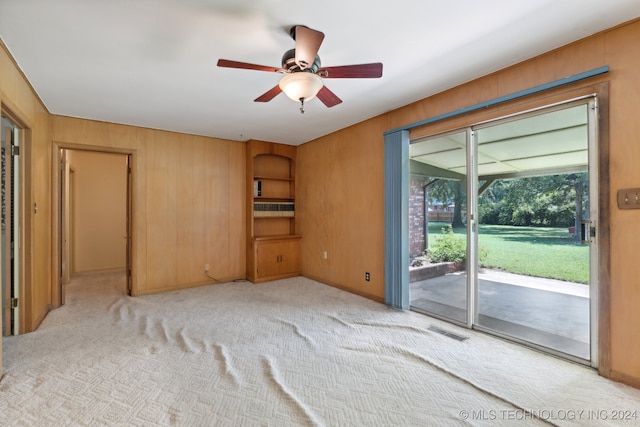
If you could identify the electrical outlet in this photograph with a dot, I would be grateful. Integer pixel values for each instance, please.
(324, 255)
(367, 276)
(206, 268)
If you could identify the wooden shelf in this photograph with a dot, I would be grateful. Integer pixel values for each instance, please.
(273, 247)
(271, 226)
(277, 237)
(273, 188)
(271, 178)
(274, 199)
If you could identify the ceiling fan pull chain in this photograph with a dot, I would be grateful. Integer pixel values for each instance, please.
(301, 105)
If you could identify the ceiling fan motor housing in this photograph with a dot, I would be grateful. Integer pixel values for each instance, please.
(290, 66)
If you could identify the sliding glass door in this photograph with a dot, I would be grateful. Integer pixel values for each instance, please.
(438, 167)
(527, 227)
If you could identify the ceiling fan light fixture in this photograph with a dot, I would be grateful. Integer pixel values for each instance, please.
(301, 86)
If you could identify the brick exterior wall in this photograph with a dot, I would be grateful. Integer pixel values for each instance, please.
(416, 216)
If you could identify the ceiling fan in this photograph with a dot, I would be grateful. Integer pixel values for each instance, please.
(303, 72)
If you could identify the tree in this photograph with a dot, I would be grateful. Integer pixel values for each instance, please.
(448, 191)
(578, 182)
(553, 200)
(457, 208)
(550, 200)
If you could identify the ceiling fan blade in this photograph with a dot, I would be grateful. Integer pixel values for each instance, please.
(245, 65)
(328, 98)
(269, 95)
(366, 71)
(308, 42)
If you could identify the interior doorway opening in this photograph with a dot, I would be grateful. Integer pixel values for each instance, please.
(94, 215)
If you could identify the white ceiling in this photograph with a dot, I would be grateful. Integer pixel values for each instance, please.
(152, 63)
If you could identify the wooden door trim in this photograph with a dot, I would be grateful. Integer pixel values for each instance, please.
(56, 146)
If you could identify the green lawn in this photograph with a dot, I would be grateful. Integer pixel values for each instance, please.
(533, 251)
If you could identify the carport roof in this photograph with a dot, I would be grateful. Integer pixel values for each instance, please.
(543, 144)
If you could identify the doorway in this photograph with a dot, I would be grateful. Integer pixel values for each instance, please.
(526, 266)
(94, 220)
(10, 261)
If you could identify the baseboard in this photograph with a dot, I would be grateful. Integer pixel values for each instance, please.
(102, 270)
(226, 280)
(140, 292)
(625, 379)
(347, 289)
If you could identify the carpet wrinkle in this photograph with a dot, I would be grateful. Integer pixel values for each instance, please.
(163, 329)
(273, 375)
(394, 351)
(339, 320)
(123, 310)
(185, 343)
(145, 326)
(222, 355)
(115, 305)
(407, 353)
(296, 329)
(129, 313)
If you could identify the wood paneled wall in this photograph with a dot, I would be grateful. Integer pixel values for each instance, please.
(188, 201)
(340, 204)
(341, 175)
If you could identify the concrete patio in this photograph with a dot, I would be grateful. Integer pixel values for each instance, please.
(550, 313)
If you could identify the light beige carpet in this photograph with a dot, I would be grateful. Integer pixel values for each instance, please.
(290, 352)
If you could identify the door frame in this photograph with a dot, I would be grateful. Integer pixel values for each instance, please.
(56, 216)
(396, 176)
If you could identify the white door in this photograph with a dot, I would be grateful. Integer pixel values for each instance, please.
(10, 227)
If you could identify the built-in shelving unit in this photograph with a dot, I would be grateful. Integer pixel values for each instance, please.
(273, 247)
